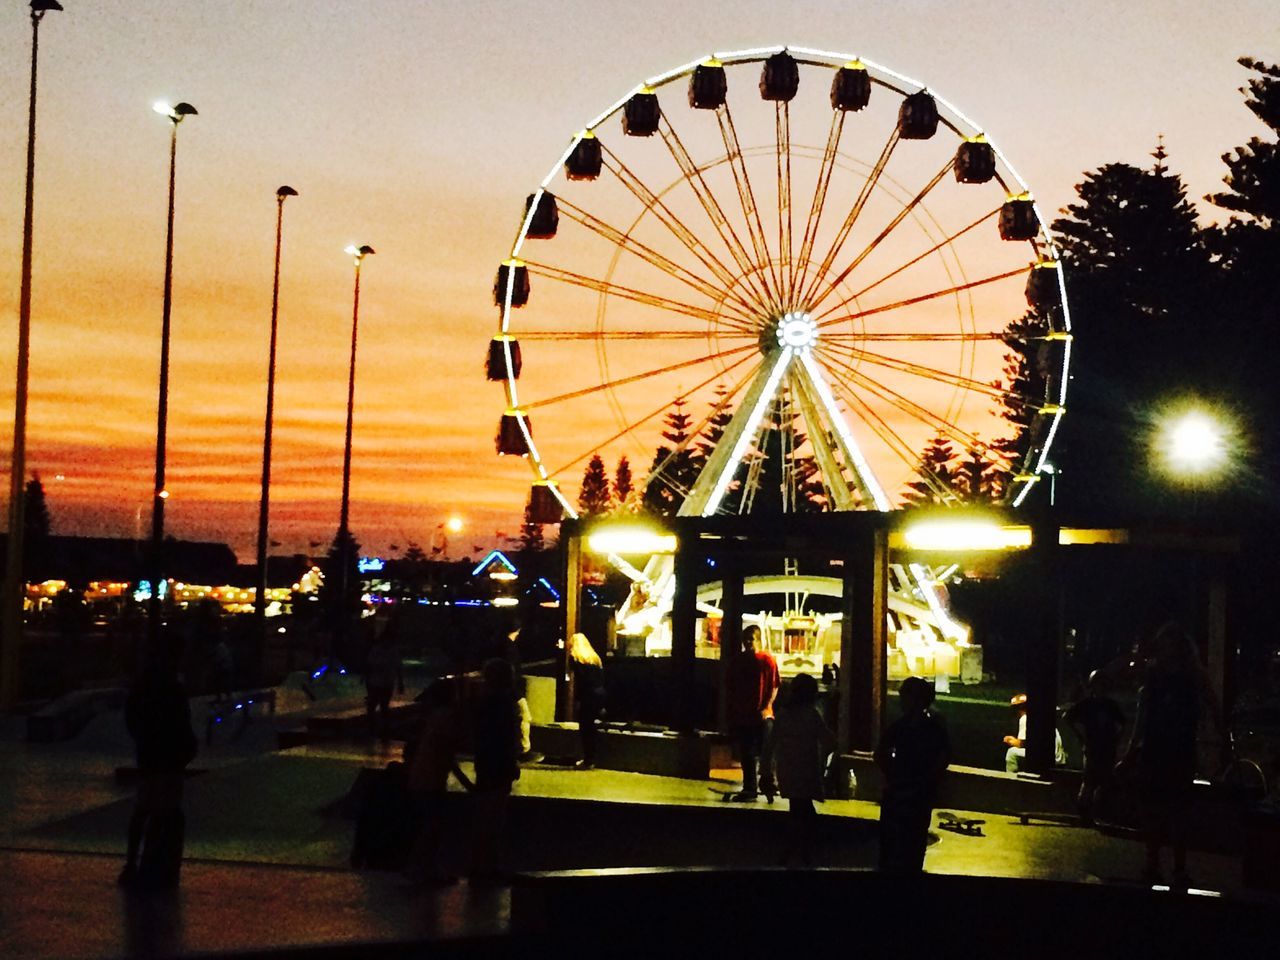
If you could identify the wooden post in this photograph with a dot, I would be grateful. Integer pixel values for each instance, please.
(730, 631)
(572, 599)
(1043, 644)
(862, 642)
(684, 623)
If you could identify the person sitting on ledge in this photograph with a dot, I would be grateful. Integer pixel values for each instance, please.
(1016, 755)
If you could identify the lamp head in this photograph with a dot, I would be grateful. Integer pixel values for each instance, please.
(359, 252)
(286, 191)
(39, 7)
(176, 113)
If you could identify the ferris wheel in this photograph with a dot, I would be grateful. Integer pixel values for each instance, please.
(795, 247)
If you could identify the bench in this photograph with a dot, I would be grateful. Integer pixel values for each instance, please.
(240, 704)
(68, 715)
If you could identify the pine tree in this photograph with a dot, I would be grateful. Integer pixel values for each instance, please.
(36, 531)
(531, 538)
(977, 479)
(937, 483)
(1253, 177)
(593, 497)
(675, 466)
(623, 485)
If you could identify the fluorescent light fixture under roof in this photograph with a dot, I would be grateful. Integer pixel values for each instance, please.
(630, 539)
(964, 534)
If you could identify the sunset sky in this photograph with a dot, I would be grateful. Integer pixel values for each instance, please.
(419, 128)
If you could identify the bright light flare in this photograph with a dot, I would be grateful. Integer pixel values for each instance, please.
(1194, 444)
(454, 525)
(965, 534)
(630, 540)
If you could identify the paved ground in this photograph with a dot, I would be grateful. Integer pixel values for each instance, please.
(268, 848)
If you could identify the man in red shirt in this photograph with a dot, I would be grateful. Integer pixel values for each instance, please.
(753, 687)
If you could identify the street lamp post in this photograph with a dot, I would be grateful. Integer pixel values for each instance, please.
(15, 580)
(176, 115)
(344, 533)
(264, 504)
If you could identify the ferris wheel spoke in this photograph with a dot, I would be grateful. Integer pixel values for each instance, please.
(747, 200)
(624, 293)
(637, 335)
(942, 424)
(825, 172)
(911, 301)
(715, 213)
(892, 440)
(741, 307)
(916, 259)
(663, 214)
(893, 224)
(933, 373)
(633, 378)
(782, 137)
(902, 336)
(852, 217)
(633, 425)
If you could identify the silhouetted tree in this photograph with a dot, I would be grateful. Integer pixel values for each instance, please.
(937, 476)
(36, 531)
(675, 466)
(593, 496)
(531, 539)
(624, 487)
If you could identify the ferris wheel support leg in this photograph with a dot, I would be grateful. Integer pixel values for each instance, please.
(833, 477)
(710, 487)
(873, 494)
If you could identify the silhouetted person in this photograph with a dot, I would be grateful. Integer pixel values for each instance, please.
(753, 683)
(1162, 749)
(802, 743)
(383, 675)
(588, 693)
(1016, 755)
(497, 766)
(434, 758)
(913, 755)
(223, 670)
(158, 718)
(1098, 722)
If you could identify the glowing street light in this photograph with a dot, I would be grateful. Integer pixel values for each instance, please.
(454, 525)
(175, 114)
(264, 503)
(14, 583)
(1194, 444)
(344, 534)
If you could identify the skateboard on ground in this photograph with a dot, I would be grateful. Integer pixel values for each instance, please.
(967, 826)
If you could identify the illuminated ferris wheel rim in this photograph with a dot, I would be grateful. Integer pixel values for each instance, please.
(948, 115)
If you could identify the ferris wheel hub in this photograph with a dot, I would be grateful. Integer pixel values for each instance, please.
(797, 330)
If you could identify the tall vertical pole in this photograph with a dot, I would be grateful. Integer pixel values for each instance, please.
(160, 494)
(264, 503)
(344, 533)
(15, 579)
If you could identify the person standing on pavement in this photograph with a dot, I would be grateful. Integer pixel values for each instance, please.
(588, 692)
(1161, 753)
(913, 755)
(158, 718)
(753, 683)
(434, 759)
(497, 767)
(1098, 722)
(383, 676)
(802, 742)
